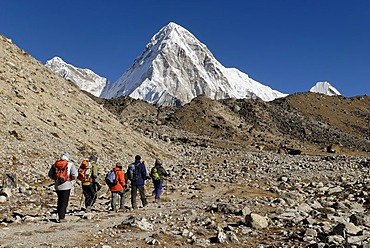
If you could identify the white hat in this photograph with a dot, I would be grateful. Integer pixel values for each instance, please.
(65, 156)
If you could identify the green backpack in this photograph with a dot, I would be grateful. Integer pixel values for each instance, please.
(154, 174)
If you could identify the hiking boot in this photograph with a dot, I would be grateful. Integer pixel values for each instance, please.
(61, 220)
(88, 209)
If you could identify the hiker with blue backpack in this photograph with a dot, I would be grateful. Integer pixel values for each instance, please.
(157, 173)
(115, 179)
(137, 175)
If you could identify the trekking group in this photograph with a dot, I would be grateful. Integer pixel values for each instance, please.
(119, 181)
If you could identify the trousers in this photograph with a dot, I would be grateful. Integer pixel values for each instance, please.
(90, 194)
(63, 198)
(158, 185)
(122, 195)
(141, 189)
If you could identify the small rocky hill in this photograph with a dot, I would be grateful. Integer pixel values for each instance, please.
(310, 122)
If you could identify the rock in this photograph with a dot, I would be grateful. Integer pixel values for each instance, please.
(232, 237)
(339, 230)
(202, 243)
(7, 192)
(336, 239)
(360, 219)
(222, 237)
(333, 148)
(139, 222)
(310, 234)
(358, 240)
(352, 228)
(2, 198)
(256, 221)
(152, 241)
(245, 211)
(10, 180)
(88, 216)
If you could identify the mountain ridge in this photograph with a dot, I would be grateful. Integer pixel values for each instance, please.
(177, 65)
(86, 79)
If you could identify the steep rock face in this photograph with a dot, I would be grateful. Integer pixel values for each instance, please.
(176, 67)
(43, 115)
(325, 88)
(84, 78)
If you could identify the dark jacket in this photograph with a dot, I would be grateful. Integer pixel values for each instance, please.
(140, 172)
(161, 172)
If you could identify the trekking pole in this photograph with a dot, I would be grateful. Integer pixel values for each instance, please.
(82, 196)
(166, 191)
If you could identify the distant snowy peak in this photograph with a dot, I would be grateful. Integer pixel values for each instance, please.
(325, 88)
(176, 67)
(84, 78)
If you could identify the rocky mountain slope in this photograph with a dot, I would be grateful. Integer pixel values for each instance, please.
(228, 185)
(43, 115)
(306, 121)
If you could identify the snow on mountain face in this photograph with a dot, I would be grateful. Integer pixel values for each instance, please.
(176, 67)
(84, 78)
(325, 88)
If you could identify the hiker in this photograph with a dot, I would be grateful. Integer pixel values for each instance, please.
(157, 173)
(118, 187)
(87, 174)
(137, 175)
(63, 172)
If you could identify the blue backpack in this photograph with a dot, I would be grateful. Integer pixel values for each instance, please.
(132, 174)
(110, 178)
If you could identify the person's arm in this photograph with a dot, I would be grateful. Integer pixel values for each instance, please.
(51, 172)
(94, 172)
(73, 172)
(121, 179)
(163, 171)
(143, 171)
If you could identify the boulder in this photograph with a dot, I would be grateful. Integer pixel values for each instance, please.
(256, 221)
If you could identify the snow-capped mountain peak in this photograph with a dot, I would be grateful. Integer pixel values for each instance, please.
(325, 88)
(176, 67)
(84, 78)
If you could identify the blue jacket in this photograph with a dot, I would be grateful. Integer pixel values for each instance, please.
(140, 172)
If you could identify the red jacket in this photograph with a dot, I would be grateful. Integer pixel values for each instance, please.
(120, 177)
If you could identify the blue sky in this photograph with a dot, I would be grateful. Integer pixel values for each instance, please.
(288, 45)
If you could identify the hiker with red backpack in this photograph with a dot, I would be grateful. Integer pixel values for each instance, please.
(87, 174)
(117, 185)
(63, 172)
(157, 173)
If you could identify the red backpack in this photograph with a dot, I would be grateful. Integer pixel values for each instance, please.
(61, 171)
(84, 172)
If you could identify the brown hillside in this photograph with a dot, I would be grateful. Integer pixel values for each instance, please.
(350, 115)
(43, 115)
(306, 121)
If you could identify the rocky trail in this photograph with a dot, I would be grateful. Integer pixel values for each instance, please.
(242, 200)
